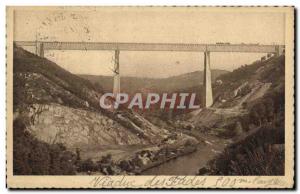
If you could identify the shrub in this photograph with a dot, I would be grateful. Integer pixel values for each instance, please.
(259, 154)
(87, 166)
(33, 157)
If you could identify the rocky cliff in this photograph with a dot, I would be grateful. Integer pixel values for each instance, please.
(60, 107)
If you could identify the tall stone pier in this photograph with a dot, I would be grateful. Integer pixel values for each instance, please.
(39, 49)
(207, 94)
(116, 87)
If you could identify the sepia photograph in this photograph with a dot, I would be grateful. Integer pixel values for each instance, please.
(150, 97)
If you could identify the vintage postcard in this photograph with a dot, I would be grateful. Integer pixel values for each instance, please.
(150, 97)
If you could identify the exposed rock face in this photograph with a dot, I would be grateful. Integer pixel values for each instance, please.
(63, 108)
(54, 123)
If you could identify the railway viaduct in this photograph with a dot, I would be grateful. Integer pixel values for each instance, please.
(40, 48)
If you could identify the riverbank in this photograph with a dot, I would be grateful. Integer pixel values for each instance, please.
(137, 159)
(189, 164)
(186, 151)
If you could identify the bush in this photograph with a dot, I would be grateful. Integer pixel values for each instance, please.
(259, 154)
(87, 166)
(33, 157)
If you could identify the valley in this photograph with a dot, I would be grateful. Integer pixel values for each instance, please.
(59, 127)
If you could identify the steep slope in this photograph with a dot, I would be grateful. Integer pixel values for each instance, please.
(59, 107)
(250, 111)
(258, 152)
(236, 93)
(59, 128)
(41, 81)
(249, 82)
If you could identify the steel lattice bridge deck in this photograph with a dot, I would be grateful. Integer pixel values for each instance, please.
(251, 48)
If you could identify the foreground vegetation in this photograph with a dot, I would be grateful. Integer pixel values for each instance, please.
(33, 157)
(258, 148)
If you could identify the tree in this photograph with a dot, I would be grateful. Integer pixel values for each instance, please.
(98, 87)
(269, 104)
(33, 157)
(238, 128)
(255, 118)
(87, 166)
(78, 158)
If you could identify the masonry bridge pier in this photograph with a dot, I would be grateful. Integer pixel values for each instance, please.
(40, 48)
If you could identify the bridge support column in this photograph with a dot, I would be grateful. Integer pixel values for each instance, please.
(279, 50)
(116, 87)
(39, 49)
(207, 95)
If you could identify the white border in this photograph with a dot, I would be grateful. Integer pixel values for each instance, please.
(4, 3)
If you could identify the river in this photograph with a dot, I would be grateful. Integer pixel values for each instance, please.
(191, 163)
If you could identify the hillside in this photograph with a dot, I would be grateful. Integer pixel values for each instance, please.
(249, 110)
(58, 112)
(250, 82)
(47, 93)
(37, 80)
(136, 84)
(235, 93)
(257, 152)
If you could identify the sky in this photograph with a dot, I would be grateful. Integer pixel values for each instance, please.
(153, 25)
